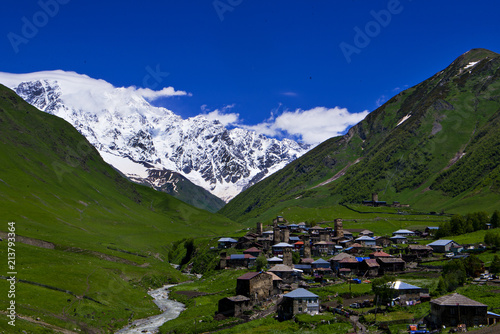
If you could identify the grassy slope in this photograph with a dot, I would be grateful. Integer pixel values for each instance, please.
(452, 112)
(56, 187)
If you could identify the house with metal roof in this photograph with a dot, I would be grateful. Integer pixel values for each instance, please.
(366, 241)
(403, 233)
(296, 302)
(227, 242)
(442, 246)
(278, 248)
(455, 309)
(407, 294)
(399, 239)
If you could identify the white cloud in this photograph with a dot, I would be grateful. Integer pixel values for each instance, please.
(292, 94)
(313, 126)
(155, 94)
(225, 119)
(224, 116)
(381, 100)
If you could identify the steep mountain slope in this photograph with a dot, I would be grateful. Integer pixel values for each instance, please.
(81, 227)
(434, 145)
(134, 136)
(180, 187)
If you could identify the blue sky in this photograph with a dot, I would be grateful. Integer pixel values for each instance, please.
(284, 68)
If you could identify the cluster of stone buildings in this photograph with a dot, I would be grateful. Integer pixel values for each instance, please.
(362, 256)
(345, 253)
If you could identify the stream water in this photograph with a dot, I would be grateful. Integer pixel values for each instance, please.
(171, 309)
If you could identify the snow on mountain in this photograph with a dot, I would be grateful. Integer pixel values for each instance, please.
(135, 137)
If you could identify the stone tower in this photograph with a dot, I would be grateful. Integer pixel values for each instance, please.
(259, 228)
(339, 229)
(285, 235)
(307, 247)
(287, 257)
(375, 197)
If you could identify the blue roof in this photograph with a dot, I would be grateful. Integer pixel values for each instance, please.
(440, 243)
(433, 227)
(403, 231)
(365, 238)
(302, 266)
(237, 256)
(398, 237)
(282, 244)
(398, 285)
(300, 293)
(348, 248)
(227, 240)
(321, 261)
(294, 238)
(360, 259)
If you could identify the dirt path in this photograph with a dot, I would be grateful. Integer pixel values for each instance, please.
(43, 324)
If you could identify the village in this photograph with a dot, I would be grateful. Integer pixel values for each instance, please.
(286, 260)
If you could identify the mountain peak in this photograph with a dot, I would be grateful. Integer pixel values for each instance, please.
(120, 122)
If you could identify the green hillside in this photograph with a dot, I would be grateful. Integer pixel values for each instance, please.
(434, 146)
(82, 228)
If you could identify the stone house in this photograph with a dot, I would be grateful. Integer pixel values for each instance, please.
(278, 248)
(334, 261)
(234, 306)
(349, 263)
(253, 251)
(366, 233)
(391, 264)
(284, 272)
(455, 309)
(382, 241)
(370, 267)
(296, 302)
(255, 285)
(419, 250)
(240, 260)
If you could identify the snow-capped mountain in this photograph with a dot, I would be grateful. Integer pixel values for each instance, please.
(135, 137)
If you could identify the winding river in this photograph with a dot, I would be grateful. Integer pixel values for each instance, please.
(171, 309)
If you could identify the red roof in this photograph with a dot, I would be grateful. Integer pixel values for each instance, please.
(344, 269)
(380, 254)
(348, 260)
(252, 250)
(299, 243)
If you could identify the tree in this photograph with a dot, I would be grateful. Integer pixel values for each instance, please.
(457, 224)
(492, 238)
(495, 265)
(296, 257)
(260, 262)
(495, 219)
(442, 287)
(381, 287)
